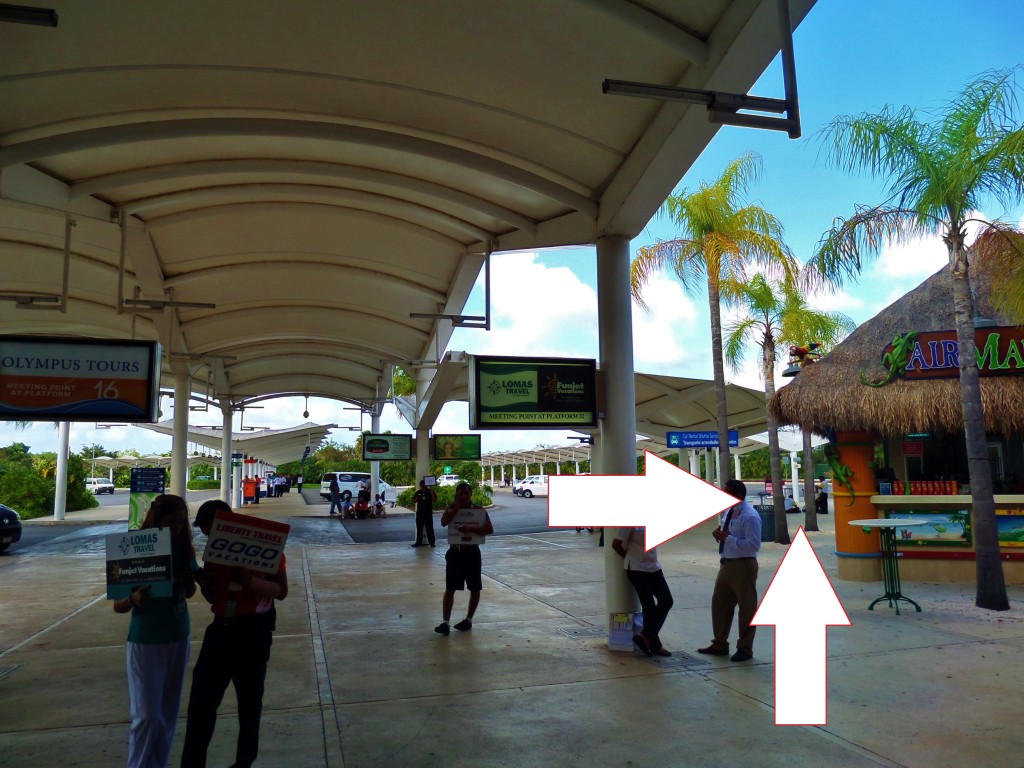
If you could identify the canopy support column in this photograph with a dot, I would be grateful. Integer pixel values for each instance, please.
(60, 497)
(618, 420)
(225, 456)
(179, 435)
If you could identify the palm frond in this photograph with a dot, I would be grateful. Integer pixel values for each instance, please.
(984, 107)
(840, 252)
(682, 256)
(734, 344)
(880, 144)
(1001, 168)
(739, 175)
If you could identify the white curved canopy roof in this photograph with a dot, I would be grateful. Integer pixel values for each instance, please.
(289, 181)
(272, 446)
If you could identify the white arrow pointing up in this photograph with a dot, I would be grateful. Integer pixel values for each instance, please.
(801, 603)
(614, 501)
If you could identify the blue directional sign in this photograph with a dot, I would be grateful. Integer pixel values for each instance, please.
(699, 439)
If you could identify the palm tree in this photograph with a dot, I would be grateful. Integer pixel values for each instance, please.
(938, 173)
(774, 313)
(720, 241)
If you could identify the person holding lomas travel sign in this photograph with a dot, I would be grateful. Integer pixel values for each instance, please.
(159, 642)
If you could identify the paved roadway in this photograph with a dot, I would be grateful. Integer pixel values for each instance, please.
(510, 515)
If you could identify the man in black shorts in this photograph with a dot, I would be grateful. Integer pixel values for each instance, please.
(467, 524)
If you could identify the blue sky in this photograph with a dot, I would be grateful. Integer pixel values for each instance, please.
(851, 57)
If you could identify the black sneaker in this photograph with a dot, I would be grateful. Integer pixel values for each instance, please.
(464, 626)
(442, 628)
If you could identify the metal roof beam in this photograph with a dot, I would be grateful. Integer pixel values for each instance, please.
(395, 181)
(297, 270)
(685, 42)
(210, 127)
(452, 366)
(187, 217)
(233, 194)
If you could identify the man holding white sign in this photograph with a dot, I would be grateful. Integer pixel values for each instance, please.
(243, 574)
(467, 524)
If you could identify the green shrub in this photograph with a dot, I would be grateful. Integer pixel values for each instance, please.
(77, 495)
(203, 485)
(25, 491)
(29, 486)
(482, 495)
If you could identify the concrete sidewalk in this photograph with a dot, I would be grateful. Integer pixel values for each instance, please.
(358, 678)
(294, 504)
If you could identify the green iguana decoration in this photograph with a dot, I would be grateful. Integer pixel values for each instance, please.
(841, 473)
(895, 360)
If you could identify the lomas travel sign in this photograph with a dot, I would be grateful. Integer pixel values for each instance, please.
(532, 392)
(936, 354)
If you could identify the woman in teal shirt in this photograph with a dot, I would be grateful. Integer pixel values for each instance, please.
(159, 642)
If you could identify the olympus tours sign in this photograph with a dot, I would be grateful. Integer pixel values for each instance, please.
(532, 393)
(77, 379)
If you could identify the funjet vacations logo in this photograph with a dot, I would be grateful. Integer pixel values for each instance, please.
(558, 391)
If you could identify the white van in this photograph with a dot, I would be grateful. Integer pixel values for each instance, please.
(449, 480)
(99, 485)
(517, 489)
(534, 486)
(349, 482)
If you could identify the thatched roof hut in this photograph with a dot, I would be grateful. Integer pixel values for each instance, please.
(829, 395)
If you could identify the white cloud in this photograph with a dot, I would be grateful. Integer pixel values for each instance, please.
(536, 311)
(840, 301)
(910, 262)
(659, 336)
(749, 374)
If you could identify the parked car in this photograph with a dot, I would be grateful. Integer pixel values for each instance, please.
(99, 485)
(534, 486)
(348, 483)
(10, 527)
(449, 480)
(517, 489)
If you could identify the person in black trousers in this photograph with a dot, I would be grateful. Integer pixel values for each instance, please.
(644, 572)
(236, 649)
(424, 498)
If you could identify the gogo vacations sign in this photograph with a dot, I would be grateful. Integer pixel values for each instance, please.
(532, 393)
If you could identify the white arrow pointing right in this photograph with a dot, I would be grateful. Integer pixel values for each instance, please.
(620, 501)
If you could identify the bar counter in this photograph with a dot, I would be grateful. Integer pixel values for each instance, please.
(953, 562)
(926, 501)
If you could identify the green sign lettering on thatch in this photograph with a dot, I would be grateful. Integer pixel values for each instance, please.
(936, 355)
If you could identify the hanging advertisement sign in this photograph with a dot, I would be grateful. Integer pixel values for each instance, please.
(462, 447)
(46, 378)
(137, 559)
(532, 392)
(387, 447)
